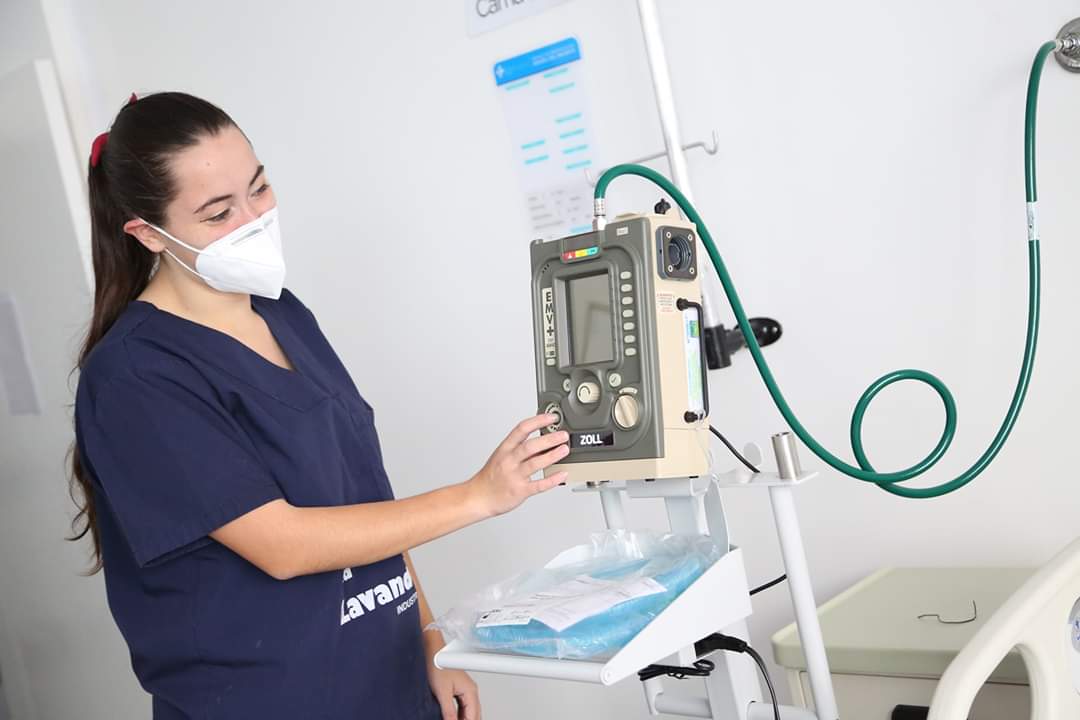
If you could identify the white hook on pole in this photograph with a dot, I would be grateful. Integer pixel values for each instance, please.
(710, 147)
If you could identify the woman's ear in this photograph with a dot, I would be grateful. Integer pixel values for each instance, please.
(145, 234)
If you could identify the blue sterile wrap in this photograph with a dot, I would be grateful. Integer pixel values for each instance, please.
(674, 561)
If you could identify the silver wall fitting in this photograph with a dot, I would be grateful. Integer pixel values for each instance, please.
(1069, 54)
(787, 456)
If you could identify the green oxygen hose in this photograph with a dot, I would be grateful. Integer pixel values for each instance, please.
(865, 471)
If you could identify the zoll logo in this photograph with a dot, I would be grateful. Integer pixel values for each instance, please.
(592, 440)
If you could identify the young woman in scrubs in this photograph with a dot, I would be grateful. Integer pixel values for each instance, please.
(229, 472)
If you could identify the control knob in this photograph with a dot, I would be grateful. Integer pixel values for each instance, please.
(588, 393)
(626, 412)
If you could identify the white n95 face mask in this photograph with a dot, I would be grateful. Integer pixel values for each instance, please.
(247, 260)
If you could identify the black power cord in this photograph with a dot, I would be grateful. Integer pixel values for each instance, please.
(747, 463)
(766, 586)
(768, 680)
(718, 641)
(701, 668)
(734, 452)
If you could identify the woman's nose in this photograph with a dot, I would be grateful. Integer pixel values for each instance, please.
(246, 213)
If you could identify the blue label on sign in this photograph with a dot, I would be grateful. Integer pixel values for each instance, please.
(530, 63)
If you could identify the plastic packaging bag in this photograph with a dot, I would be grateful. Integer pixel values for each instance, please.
(588, 602)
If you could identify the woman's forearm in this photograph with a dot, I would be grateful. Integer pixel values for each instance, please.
(288, 541)
(332, 538)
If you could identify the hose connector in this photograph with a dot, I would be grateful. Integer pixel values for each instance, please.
(599, 221)
(1068, 42)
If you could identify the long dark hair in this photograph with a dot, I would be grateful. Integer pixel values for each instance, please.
(131, 178)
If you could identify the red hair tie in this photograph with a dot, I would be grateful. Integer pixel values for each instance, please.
(97, 147)
(100, 141)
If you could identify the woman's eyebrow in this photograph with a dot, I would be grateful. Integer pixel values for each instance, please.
(219, 198)
(211, 201)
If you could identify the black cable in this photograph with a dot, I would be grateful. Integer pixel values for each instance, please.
(768, 681)
(718, 641)
(766, 586)
(701, 668)
(734, 452)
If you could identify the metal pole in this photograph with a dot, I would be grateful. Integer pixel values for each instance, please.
(669, 126)
(798, 573)
(612, 504)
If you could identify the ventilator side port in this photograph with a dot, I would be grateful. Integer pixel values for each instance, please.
(677, 253)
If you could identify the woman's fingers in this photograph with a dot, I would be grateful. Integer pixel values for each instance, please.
(470, 703)
(524, 429)
(544, 484)
(447, 706)
(503, 483)
(537, 445)
(547, 459)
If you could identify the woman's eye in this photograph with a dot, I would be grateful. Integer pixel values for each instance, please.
(263, 188)
(220, 216)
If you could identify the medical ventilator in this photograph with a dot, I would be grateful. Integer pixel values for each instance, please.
(619, 349)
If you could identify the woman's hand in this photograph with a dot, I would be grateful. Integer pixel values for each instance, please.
(456, 692)
(503, 483)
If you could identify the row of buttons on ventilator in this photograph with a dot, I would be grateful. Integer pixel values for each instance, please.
(589, 392)
(628, 313)
(625, 411)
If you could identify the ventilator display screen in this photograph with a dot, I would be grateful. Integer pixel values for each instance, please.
(588, 301)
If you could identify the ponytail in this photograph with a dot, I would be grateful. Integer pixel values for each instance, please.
(128, 177)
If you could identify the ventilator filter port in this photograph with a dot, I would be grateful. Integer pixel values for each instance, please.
(677, 255)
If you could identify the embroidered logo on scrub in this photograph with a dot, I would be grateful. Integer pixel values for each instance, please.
(382, 594)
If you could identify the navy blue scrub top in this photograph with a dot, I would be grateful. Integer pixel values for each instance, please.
(183, 429)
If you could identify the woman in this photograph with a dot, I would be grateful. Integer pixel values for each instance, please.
(231, 478)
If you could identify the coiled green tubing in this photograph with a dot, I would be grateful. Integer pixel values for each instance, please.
(888, 481)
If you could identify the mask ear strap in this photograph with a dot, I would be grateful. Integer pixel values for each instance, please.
(180, 262)
(176, 240)
(184, 265)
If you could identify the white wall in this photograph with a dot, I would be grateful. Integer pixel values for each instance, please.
(868, 193)
(23, 34)
(23, 37)
(60, 654)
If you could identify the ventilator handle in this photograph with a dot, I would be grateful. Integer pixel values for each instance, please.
(683, 304)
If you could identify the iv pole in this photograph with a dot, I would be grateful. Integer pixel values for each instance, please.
(669, 126)
(734, 681)
(736, 673)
